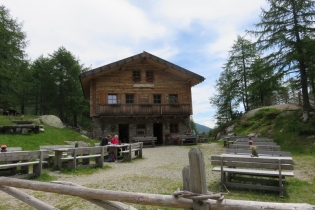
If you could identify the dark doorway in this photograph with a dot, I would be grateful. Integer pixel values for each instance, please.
(158, 133)
(123, 130)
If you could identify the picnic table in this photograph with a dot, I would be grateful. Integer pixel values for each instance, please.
(244, 171)
(58, 155)
(185, 139)
(116, 147)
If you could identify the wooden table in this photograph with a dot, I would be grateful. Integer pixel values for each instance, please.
(257, 171)
(115, 147)
(58, 156)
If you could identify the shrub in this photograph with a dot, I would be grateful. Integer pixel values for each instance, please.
(269, 113)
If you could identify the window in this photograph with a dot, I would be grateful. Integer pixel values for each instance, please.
(173, 99)
(112, 99)
(141, 129)
(157, 99)
(174, 127)
(130, 98)
(136, 76)
(149, 76)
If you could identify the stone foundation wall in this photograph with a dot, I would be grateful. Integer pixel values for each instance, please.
(105, 126)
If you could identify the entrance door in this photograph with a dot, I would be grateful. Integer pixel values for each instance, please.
(123, 130)
(158, 133)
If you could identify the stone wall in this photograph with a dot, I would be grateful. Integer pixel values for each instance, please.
(105, 126)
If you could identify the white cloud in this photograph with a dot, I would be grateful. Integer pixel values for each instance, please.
(197, 35)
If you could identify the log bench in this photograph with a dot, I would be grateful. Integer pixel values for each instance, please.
(244, 171)
(17, 164)
(145, 140)
(186, 139)
(255, 140)
(51, 148)
(254, 143)
(13, 149)
(134, 150)
(202, 138)
(259, 147)
(260, 152)
(85, 154)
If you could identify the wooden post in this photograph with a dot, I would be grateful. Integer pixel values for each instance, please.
(197, 175)
(101, 161)
(74, 167)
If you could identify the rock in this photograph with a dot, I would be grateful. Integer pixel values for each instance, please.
(230, 128)
(51, 120)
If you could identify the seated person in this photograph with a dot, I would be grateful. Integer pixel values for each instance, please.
(188, 132)
(115, 140)
(105, 140)
(193, 133)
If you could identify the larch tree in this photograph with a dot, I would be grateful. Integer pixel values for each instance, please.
(12, 56)
(241, 57)
(280, 34)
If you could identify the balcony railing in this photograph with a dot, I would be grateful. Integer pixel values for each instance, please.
(143, 109)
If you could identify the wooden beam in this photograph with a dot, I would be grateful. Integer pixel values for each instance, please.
(26, 198)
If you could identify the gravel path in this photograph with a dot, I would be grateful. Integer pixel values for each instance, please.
(160, 171)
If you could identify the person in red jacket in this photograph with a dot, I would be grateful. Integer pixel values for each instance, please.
(115, 140)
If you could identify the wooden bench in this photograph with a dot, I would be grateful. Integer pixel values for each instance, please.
(259, 147)
(202, 138)
(50, 149)
(186, 139)
(145, 139)
(13, 149)
(227, 141)
(134, 150)
(17, 164)
(243, 171)
(85, 154)
(255, 142)
(260, 152)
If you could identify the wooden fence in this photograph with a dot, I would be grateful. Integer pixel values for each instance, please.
(194, 195)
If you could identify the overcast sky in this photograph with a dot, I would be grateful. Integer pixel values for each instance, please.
(195, 34)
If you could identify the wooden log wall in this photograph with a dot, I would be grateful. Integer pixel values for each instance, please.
(121, 82)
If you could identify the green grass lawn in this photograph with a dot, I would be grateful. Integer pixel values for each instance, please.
(31, 141)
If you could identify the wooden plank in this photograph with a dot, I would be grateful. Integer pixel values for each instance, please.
(254, 171)
(252, 165)
(252, 186)
(52, 147)
(260, 152)
(254, 143)
(20, 156)
(260, 147)
(248, 158)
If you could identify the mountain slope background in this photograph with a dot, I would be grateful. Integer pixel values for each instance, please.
(202, 128)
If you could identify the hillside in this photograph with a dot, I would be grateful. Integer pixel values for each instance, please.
(282, 123)
(202, 128)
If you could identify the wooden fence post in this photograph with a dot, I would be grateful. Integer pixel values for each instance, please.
(197, 177)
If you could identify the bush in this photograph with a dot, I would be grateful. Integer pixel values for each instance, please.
(269, 113)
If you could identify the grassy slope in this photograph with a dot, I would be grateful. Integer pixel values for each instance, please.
(31, 141)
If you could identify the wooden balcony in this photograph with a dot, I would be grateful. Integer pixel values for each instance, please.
(137, 110)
